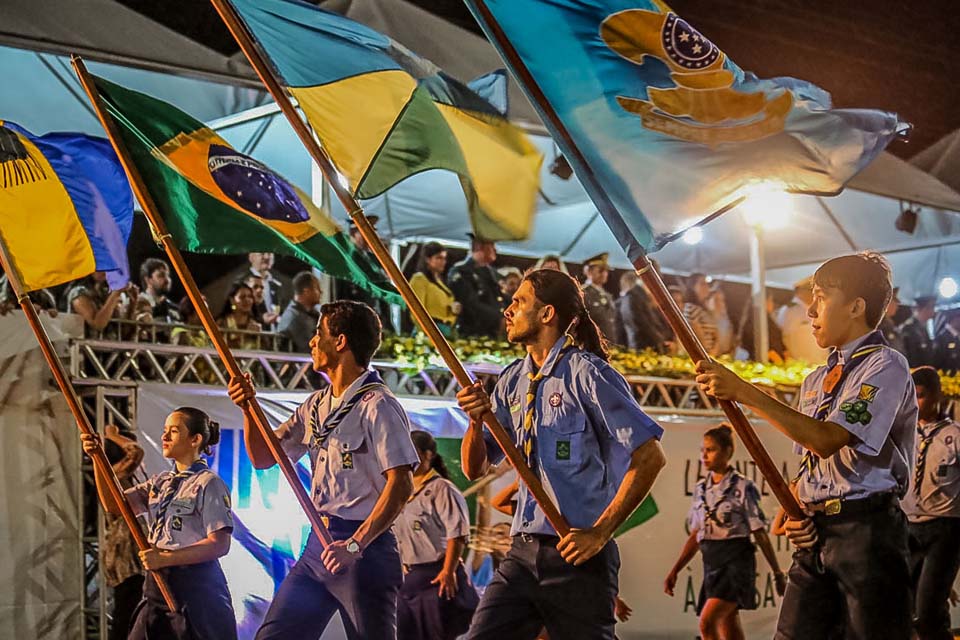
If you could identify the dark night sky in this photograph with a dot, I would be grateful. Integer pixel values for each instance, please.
(887, 54)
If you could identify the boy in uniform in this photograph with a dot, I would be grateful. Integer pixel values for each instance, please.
(580, 429)
(358, 439)
(856, 432)
(932, 505)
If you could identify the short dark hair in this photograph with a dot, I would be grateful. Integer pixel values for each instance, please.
(722, 435)
(303, 281)
(927, 377)
(865, 275)
(359, 323)
(149, 266)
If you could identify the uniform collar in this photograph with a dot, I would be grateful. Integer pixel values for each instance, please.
(726, 479)
(421, 482)
(352, 387)
(847, 350)
(550, 362)
(933, 426)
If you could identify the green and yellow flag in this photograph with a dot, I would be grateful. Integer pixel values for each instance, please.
(383, 114)
(215, 199)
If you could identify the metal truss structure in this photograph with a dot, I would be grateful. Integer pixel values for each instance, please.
(105, 402)
(110, 361)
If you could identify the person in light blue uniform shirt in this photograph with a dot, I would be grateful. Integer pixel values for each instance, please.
(437, 599)
(855, 431)
(189, 526)
(932, 505)
(577, 423)
(724, 514)
(358, 438)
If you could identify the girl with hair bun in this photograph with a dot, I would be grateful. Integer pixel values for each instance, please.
(188, 526)
(437, 600)
(725, 512)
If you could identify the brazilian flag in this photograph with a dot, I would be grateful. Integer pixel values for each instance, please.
(215, 199)
(383, 114)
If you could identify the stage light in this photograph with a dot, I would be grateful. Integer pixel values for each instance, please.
(948, 287)
(907, 220)
(693, 236)
(561, 168)
(766, 205)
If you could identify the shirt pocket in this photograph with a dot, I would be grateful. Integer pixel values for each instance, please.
(183, 507)
(343, 448)
(563, 439)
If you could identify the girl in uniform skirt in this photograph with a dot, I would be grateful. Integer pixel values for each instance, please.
(437, 600)
(724, 514)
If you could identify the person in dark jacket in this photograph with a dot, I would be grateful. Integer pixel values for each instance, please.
(474, 285)
(917, 344)
(643, 326)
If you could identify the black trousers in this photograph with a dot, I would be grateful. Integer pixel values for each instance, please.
(934, 558)
(126, 597)
(861, 590)
(365, 596)
(535, 588)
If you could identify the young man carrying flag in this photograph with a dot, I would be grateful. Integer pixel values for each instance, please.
(358, 439)
(581, 430)
(856, 431)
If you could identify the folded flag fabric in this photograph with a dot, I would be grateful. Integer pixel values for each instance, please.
(384, 114)
(215, 199)
(660, 125)
(66, 208)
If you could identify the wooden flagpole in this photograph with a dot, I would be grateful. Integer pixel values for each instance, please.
(252, 408)
(649, 275)
(417, 310)
(99, 457)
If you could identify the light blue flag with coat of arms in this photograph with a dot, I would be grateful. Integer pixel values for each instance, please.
(666, 128)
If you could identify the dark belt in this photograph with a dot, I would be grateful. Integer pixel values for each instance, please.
(854, 507)
(542, 538)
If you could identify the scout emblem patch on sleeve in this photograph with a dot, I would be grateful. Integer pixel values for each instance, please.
(176, 523)
(563, 449)
(868, 392)
(346, 460)
(855, 412)
(226, 501)
(556, 399)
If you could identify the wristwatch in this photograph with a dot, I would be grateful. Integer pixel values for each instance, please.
(353, 546)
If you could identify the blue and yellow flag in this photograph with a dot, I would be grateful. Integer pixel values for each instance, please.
(667, 127)
(383, 114)
(66, 208)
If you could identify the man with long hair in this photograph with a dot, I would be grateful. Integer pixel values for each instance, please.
(582, 432)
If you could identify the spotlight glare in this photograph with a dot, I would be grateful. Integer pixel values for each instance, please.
(948, 287)
(693, 236)
(767, 205)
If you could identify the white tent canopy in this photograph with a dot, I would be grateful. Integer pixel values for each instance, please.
(431, 204)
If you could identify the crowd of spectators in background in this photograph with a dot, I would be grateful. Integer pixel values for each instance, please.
(260, 308)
